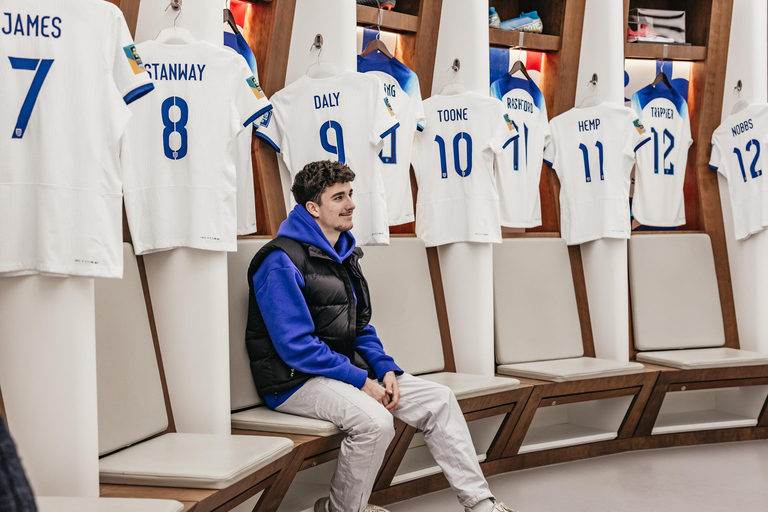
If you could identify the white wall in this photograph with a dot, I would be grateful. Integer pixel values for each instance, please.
(188, 287)
(467, 268)
(748, 62)
(48, 378)
(605, 260)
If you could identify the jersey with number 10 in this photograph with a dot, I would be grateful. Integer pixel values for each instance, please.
(658, 198)
(454, 164)
(401, 86)
(343, 118)
(520, 166)
(67, 70)
(179, 149)
(736, 148)
(593, 150)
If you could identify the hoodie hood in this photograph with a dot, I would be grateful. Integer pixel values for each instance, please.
(302, 227)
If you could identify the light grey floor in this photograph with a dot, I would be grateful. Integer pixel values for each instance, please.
(716, 478)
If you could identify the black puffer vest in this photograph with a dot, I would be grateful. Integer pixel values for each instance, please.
(331, 302)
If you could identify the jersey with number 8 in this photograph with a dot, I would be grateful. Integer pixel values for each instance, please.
(343, 118)
(179, 149)
(67, 70)
(738, 145)
(453, 159)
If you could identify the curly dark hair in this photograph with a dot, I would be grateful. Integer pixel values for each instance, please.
(310, 183)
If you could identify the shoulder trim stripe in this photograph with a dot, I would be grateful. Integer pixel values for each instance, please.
(138, 93)
(257, 115)
(271, 143)
(642, 142)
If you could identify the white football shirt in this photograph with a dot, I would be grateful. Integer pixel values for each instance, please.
(68, 69)
(737, 145)
(453, 159)
(401, 86)
(593, 150)
(246, 201)
(343, 118)
(660, 174)
(179, 149)
(520, 164)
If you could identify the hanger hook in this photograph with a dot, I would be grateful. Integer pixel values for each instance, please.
(317, 43)
(176, 6)
(737, 89)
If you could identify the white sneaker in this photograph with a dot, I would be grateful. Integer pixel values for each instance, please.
(497, 507)
(324, 504)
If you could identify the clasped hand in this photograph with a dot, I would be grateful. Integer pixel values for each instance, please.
(387, 393)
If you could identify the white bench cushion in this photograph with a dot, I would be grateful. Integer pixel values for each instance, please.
(403, 304)
(242, 391)
(535, 312)
(465, 385)
(266, 420)
(202, 461)
(130, 393)
(565, 370)
(690, 359)
(675, 298)
(69, 504)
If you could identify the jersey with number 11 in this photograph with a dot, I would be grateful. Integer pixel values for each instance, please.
(179, 149)
(593, 150)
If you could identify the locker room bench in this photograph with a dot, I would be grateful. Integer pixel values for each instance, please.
(678, 327)
(577, 398)
(69, 504)
(141, 454)
(405, 314)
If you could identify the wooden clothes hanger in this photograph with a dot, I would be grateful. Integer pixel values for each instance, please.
(661, 77)
(229, 18)
(520, 66)
(377, 44)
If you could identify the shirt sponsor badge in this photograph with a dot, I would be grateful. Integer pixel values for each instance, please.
(255, 88)
(133, 59)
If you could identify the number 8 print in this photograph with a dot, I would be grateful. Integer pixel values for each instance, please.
(178, 126)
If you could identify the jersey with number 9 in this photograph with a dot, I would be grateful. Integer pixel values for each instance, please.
(68, 68)
(179, 151)
(344, 118)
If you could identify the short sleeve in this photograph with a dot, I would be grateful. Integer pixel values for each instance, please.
(714, 158)
(504, 130)
(545, 122)
(418, 109)
(384, 117)
(250, 102)
(638, 136)
(131, 79)
(687, 127)
(269, 129)
(550, 149)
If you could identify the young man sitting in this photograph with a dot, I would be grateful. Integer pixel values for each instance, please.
(314, 353)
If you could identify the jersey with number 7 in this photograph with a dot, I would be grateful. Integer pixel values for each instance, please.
(67, 70)
(344, 118)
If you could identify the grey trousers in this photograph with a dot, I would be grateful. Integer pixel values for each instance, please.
(425, 405)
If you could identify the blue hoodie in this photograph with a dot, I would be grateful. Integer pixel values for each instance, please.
(278, 288)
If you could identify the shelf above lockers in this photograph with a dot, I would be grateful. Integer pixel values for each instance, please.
(529, 40)
(390, 20)
(657, 51)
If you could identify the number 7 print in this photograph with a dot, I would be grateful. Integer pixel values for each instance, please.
(41, 67)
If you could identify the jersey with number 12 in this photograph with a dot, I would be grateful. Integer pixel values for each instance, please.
(179, 149)
(737, 145)
(67, 70)
(658, 198)
(593, 150)
(344, 118)
(454, 161)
